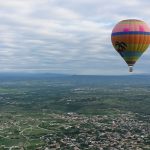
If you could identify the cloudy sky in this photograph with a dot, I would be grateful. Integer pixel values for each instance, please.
(66, 36)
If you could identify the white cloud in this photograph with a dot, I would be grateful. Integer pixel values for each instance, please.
(70, 36)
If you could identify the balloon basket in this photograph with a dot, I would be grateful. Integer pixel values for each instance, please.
(130, 68)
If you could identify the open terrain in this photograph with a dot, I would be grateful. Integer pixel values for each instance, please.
(44, 111)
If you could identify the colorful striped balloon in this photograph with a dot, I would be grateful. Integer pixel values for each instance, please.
(131, 38)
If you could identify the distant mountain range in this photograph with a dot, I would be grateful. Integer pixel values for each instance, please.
(59, 74)
(13, 75)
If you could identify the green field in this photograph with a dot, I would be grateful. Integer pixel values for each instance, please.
(68, 111)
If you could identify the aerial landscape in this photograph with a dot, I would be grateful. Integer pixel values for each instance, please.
(43, 111)
(74, 75)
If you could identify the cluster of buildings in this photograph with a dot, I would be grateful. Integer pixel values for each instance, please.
(73, 131)
(120, 132)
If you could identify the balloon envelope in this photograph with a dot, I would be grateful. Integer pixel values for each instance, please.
(131, 38)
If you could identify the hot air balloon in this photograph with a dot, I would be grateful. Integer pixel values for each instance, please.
(131, 38)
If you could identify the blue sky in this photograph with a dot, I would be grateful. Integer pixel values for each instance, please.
(66, 36)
